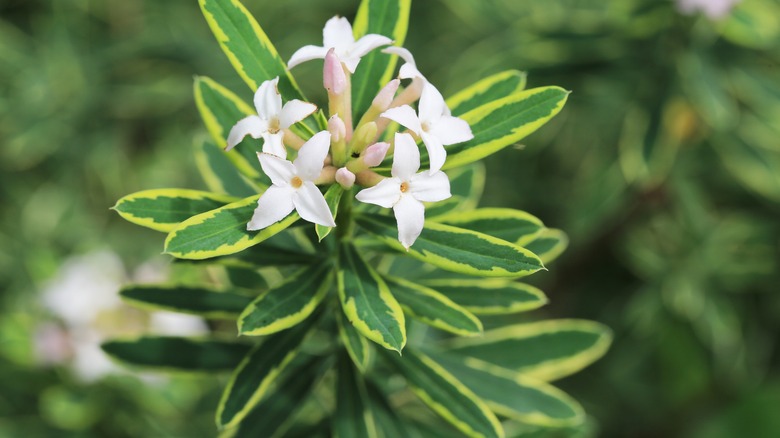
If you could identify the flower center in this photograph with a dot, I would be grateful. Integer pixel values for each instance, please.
(404, 187)
(296, 182)
(426, 126)
(274, 126)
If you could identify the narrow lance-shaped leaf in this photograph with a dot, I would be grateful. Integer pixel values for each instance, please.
(384, 17)
(551, 349)
(433, 308)
(504, 122)
(489, 296)
(332, 197)
(353, 417)
(220, 232)
(177, 354)
(368, 303)
(548, 244)
(447, 396)
(219, 173)
(514, 226)
(163, 209)
(193, 300)
(520, 398)
(358, 348)
(254, 376)
(220, 109)
(287, 304)
(487, 90)
(456, 249)
(274, 415)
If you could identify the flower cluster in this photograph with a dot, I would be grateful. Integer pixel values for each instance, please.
(345, 154)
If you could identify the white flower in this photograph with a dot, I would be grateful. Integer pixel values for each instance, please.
(271, 119)
(409, 69)
(337, 35)
(406, 191)
(293, 186)
(713, 9)
(433, 123)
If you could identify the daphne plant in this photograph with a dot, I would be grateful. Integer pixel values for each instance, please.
(333, 296)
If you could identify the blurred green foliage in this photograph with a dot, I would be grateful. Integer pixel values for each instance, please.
(664, 169)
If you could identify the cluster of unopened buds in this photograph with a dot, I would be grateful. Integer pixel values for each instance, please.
(345, 154)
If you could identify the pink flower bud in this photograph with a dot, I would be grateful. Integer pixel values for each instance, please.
(345, 178)
(385, 96)
(337, 129)
(375, 154)
(333, 77)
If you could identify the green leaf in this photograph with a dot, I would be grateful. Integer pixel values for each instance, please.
(255, 375)
(356, 345)
(457, 250)
(368, 303)
(487, 90)
(219, 173)
(433, 308)
(551, 349)
(756, 168)
(220, 109)
(353, 417)
(194, 300)
(384, 17)
(520, 398)
(514, 226)
(549, 244)
(388, 423)
(489, 296)
(466, 185)
(247, 47)
(177, 354)
(274, 415)
(287, 304)
(332, 197)
(504, 122)
(163, 209)
(447, 396)
(220, 232)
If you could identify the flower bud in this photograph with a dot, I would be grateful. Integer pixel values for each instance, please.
(345, 178)
(385, 96)
(364, 136)
(333, 77)
(337, 129)
(375, 154)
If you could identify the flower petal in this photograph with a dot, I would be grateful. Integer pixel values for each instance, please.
(404, 115)
(410, 216)
(306, 53)
(409, 71)
(278, 169)
(368, 43)
(405, 54)
(274, 144)
(275, 204)
(311, 205)
(430, 187)
(337, 33)
(406, 158)
(436, 153)
(450, 130)
(432, 104)
(268, 101)
(251, 125)
(294, 111)
(385, 194)
(311, 157)
(351, 63)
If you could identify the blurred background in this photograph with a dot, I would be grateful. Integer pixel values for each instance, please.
(664, 169)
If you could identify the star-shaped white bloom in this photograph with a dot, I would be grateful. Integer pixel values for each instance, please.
(406, 191)
(433, 123)
(337, 35)
(293, 186)
(409, 69)
(271, 120)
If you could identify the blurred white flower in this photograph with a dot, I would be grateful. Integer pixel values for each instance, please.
(713, 9)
